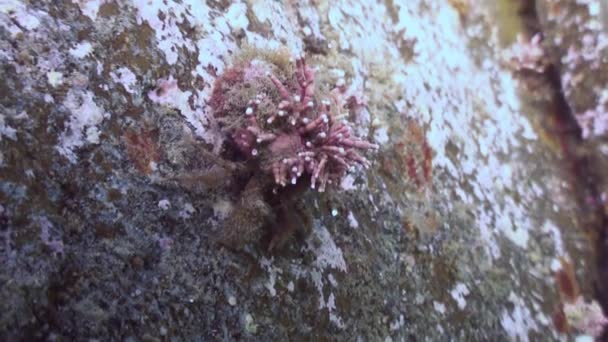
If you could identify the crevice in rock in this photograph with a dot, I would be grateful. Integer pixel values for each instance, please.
(578, 158)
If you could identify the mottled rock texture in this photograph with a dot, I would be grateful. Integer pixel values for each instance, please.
(580, 55)
(475, 221)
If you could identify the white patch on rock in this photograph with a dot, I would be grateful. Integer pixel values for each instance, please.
(458, 293)
(348, 182)
(553, 231)
(222, 209)
(168, 94)
(329, 255)
(310, 15)
(236, 16)
(126, 77)
(50, 236)
(439, 307)
(398, 323)
(333, 316)
(99, 68)
(187, 211)
(381, 135)
(81, 50)
(18, 12)
(6, 130)
(250, 326)
(273, 273)
(54, 78)
(82, 125)
(556, 265)
(519, 321)
(164, 204)
(282, 26)
(165, 17)
(352, 221)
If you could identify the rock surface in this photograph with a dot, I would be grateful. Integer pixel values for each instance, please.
(471, 223)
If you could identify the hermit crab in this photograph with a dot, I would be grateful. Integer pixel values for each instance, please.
(287, 138)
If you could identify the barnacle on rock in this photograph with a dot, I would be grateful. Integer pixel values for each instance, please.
(291, 136)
